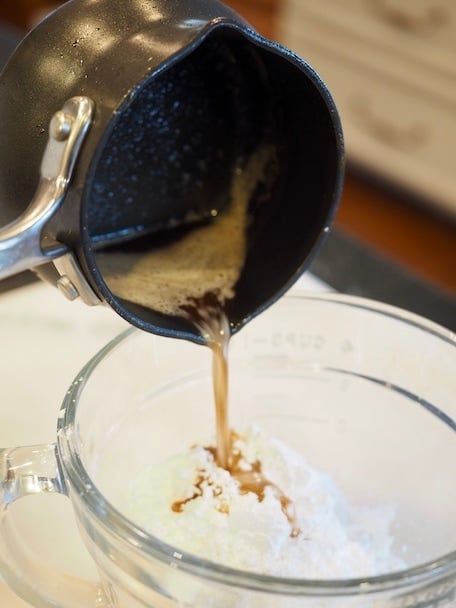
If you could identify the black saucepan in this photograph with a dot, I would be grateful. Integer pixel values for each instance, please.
(121, 117)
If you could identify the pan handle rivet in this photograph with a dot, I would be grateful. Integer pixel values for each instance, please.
(68, 289)
(60, 126)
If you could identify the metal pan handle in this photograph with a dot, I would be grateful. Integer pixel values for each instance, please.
(20, 241)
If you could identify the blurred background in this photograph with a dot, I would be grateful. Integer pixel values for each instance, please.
(391, 67)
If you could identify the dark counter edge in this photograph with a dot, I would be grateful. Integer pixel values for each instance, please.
(351, 267)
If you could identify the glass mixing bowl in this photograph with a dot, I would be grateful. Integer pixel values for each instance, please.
(364, 390)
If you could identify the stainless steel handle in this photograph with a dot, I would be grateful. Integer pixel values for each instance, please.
(20, 241)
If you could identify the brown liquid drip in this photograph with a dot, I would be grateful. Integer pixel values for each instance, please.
(254, 481)
(207, 314)
(179, 505)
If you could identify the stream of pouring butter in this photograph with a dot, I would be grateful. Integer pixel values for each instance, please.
(193, 277)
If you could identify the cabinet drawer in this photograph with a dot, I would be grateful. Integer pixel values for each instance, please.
(398, 109)
(428, 22)
(390, 128)
(359, 31)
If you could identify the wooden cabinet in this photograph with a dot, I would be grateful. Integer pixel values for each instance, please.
(391, 66)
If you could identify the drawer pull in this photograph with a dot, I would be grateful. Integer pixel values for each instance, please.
(412, 15)
(404, 136)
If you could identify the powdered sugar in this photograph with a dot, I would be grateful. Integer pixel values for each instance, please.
(197, 507)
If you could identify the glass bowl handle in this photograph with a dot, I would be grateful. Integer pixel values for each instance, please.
(26, 471)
